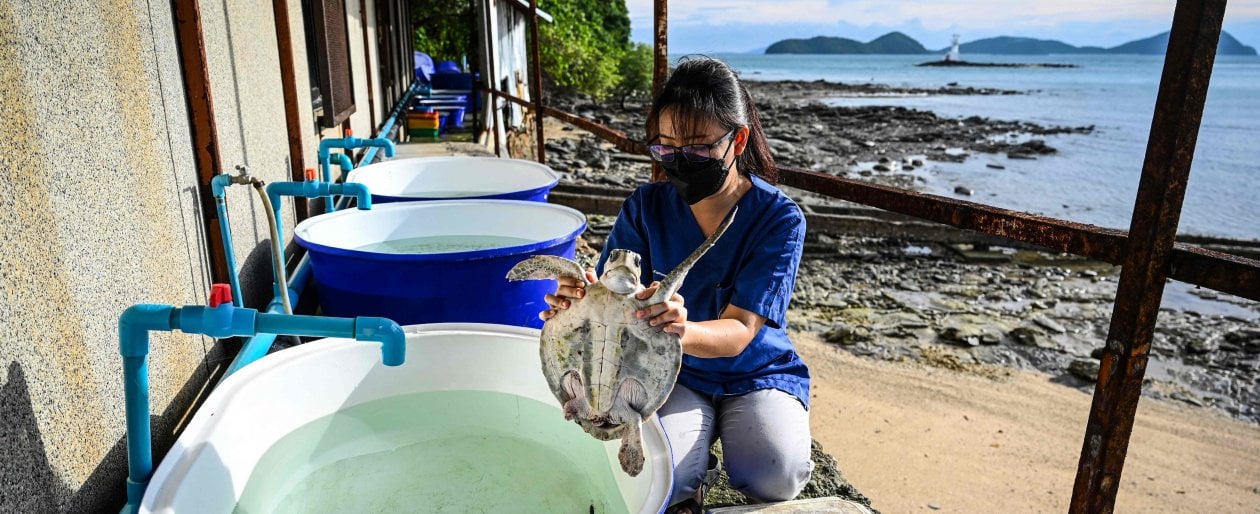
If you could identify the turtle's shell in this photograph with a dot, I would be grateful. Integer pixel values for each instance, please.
(600, 338)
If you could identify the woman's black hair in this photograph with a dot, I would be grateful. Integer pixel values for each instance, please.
(702, 87)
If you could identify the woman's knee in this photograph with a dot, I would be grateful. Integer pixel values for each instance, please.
(777, 478)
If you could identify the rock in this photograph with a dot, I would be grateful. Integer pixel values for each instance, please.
(996, 166)
(963, 191)
(1202, 345)
(1030, 335)
(780, 146)
(881, 167)
(885, 160)
(1246, 339)
(1049, 324)
(969, 332)
(600, 161)
(1021, 156)
(842, 333)
(1085, 369)
(826, 480)
(917, 162)
(934, 506)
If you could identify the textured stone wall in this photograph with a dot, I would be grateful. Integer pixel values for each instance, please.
(99, 210)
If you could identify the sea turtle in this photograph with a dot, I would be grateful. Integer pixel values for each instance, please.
(609, 369)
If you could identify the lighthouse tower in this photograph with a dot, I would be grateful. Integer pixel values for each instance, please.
(952, 56)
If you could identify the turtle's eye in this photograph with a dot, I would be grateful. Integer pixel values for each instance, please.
(636, 260)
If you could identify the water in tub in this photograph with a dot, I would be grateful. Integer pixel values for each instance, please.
(445, 244)
(449, 451)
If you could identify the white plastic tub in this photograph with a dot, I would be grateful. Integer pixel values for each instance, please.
(433, 178)
(241, 446)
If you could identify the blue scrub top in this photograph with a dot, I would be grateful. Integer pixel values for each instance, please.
(753, 266)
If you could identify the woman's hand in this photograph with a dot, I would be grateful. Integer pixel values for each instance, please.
(670, 315)
(569, 289)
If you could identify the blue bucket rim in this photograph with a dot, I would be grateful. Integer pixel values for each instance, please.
(488, 253)
(555, 178)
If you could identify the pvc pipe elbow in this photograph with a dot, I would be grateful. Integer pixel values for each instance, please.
(219, 184)
(360, 192)
(136, 322)
(344, 161)
(391, 336)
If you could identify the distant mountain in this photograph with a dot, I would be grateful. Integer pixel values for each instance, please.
(894, 43)
(898, 43)
(890, 43)
(1007, 45)
(1158, 44)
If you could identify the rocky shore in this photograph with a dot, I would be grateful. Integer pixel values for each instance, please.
(978, 311)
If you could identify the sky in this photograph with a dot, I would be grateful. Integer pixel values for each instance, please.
(748, 25)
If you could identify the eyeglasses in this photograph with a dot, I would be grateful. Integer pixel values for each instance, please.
(692, 153)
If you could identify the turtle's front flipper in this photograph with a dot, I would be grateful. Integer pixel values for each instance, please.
(544, 267)
(674, 280)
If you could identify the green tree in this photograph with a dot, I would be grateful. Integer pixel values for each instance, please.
(635, 72)
(586, 48)
(444, 29)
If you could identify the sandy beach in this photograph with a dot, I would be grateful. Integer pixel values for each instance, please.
(911, 436)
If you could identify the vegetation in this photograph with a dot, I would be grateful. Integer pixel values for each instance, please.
(444, 29)
(586, 49)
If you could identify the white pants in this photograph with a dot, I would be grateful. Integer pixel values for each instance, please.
(765, 441)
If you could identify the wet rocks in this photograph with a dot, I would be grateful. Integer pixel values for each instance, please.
(1049, 324)
(964, 191)
(1084, 369)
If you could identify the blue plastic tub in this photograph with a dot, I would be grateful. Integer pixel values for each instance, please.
(441, 285)
(444, 178)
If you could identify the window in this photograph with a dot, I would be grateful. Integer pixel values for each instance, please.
(328, 58)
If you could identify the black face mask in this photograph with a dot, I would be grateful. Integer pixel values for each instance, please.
(696, 181)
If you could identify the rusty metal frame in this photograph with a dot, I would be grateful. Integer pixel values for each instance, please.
(1196, 30)
(195, 69)
(292, 116)
(492, 73)
(535, 80)
(1148, 252)
(367, 60)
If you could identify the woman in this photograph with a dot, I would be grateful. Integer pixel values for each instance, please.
(741, 379)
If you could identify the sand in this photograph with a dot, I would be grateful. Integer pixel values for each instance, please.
(912, 437)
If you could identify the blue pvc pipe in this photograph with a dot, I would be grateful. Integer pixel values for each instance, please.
(346, 165)
(256, 347)
(223, 321)
(309, 189)
(133, 343)
(218, 185)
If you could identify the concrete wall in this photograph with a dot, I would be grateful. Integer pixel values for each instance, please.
(99, 210)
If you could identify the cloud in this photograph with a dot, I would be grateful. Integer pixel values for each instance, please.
(748, 24)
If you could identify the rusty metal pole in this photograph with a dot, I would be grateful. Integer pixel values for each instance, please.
(660, 66)
(536, 80)
(195, 68)
(288, 86)
(492, 74)
(367, 62)
(1183, 89)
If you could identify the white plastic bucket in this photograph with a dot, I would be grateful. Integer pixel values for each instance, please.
(210, 466)
(431, 178)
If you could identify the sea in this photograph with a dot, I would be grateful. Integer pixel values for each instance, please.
(1094, 177)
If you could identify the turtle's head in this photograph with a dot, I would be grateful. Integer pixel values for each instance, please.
(621, 272)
